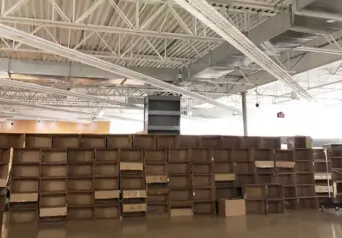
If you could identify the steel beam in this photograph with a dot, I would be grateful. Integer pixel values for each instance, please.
(37, 42)
(106, 29)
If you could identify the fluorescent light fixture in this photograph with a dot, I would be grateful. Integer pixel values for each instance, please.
(331, 21)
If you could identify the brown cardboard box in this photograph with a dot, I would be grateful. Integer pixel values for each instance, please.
(53, 212)
(107, 194)
(139, 207)
(134, 194)
(131, 166)
(180, 212)
(322, 176)
(228, 208)
(264, 164)
(285, 164)
(24, 197)
(225, 177)
(156, 179)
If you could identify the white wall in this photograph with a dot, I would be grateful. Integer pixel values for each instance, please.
(301, 118)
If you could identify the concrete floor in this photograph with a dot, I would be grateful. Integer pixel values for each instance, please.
(292, 225)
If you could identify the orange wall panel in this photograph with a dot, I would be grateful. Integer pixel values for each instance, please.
(27, 126)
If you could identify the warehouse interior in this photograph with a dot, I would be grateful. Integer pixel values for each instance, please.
(160, 118)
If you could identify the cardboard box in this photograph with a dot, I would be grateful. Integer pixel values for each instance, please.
(323, 189)
(225, 177)
(322, 176)
(264, 164)
(139, 207)
(285, 164)
(3, 183)
(181, 212)
(134, 194)
(157, 179)
(107, 194)
(131, 166)
(229, 208)
(53, 212)
(24, 197)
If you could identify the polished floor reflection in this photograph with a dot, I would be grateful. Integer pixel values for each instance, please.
(308, 224)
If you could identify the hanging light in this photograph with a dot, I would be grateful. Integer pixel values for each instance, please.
(101, 113)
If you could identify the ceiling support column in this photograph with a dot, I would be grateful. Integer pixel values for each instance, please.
(244, 113)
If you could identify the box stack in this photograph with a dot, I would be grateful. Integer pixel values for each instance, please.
(275, 199)
(24, 186)
(180, 200)
(106, 184)
(305, 183)
(132, 183)
(53, 185)
(264, 166)
(202, 181)
(157, 179)
(80, 184)
(224, 172)
(255, 196)
(334, 154)
(5, 157)
(286, 175)
(244, 166)
(323, 178)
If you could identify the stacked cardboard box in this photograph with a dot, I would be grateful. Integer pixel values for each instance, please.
(80, 190)
(286, 176)
(305, 183)
(106, 184)
(244, 166)
(255, 196)
(132, 183)
(264, 166)
(224, 172)
(24, 186)
(264, 199)
(179, 169)
(323, 178)
(5, 157)
(275, 199)
(53, 185)
(334, 154)
(157, 179)
(202, 181)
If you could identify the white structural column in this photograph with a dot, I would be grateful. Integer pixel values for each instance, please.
(244, 113)
(215, 21)
(37, 42)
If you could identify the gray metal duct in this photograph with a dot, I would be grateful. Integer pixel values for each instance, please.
(210, 17)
